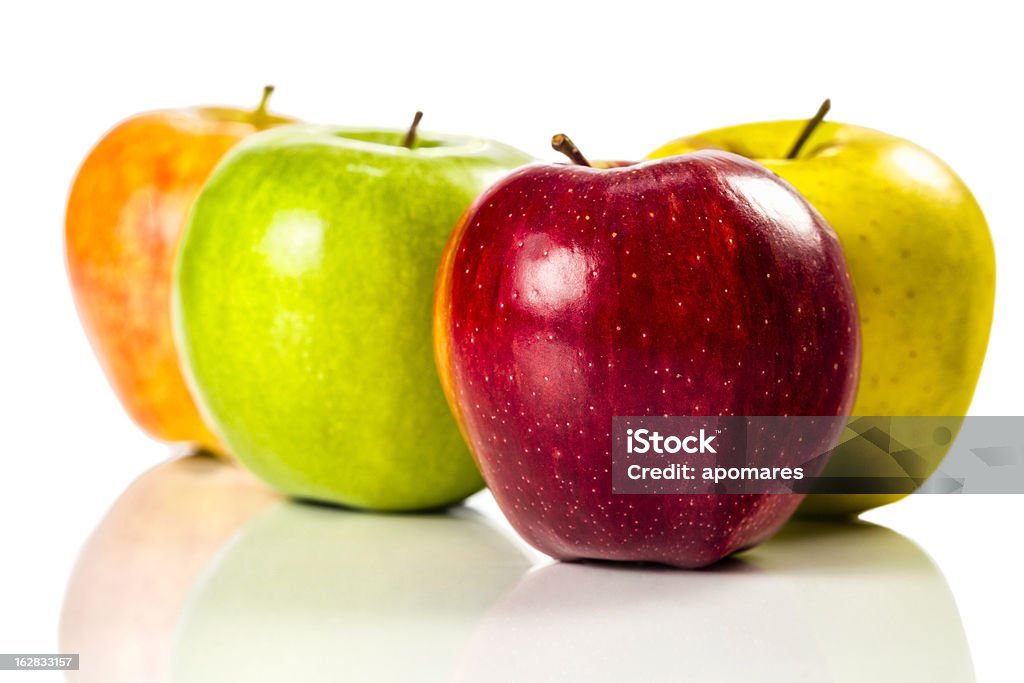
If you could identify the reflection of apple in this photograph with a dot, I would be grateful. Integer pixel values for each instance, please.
(126, 211)
(699, 285)
(132, 576)
(922, 264)
(819, 602)
(315, 594)
(863, 588)
(303, 303)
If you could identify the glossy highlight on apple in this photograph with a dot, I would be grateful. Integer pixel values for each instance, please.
(391, 319)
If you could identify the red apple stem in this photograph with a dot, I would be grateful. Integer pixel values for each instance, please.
(410, 137)
(261, 110)
(808, 130)
(562, 143)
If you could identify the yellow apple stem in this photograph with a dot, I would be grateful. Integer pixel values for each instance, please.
(562, 143)
(805, 134)
(410, 137)
(261, 110)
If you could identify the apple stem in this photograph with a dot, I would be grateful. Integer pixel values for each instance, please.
(261, 110)
(805, 134)
(562, 143)
(410, 137)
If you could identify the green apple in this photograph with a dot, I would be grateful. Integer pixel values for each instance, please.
(302, 309)
(923, 268)
(308, 594)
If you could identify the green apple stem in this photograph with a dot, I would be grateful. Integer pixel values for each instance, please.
(410, 137)
(805, 134)
(261, 110)
(562, 143)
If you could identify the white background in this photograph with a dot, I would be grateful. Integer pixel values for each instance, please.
(620, 78)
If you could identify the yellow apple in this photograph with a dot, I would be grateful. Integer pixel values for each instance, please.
(923, 268)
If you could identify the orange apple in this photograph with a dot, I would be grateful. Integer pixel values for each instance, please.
(126, 211)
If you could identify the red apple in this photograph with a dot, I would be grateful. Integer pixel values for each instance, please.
(699, 285)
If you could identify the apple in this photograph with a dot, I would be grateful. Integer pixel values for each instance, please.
(129, 584)
(125, 214)
(921, 258)
(698, 285)
(303, 309)
(306, 593)
(820, 601)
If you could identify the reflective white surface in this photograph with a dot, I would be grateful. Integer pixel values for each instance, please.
(632, 80)
(199, 575)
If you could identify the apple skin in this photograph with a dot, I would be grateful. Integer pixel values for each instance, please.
(700, 285)
(303, 310)
(127, 208)
(921, 258)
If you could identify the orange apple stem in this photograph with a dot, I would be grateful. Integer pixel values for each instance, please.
(562, 143)
(410, 137)
(808, 130)
(261, 110)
